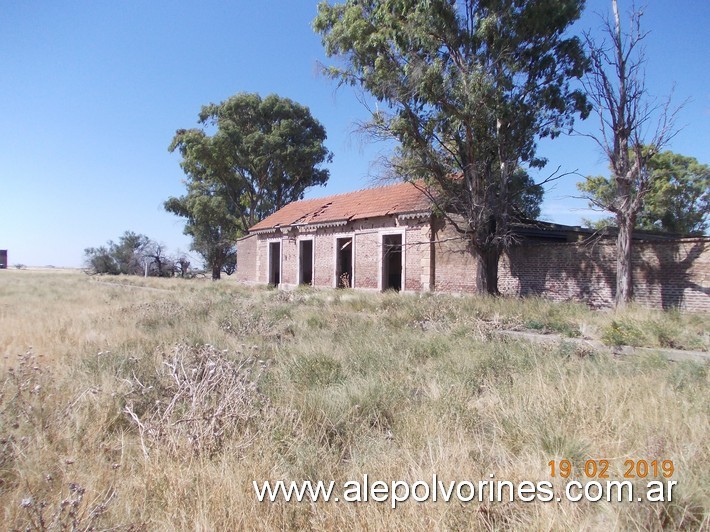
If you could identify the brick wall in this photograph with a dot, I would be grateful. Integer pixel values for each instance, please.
(262, 261)
(667, 274)
(366, 234)
(454, 264)
(416, 257)
(289, 262)
(323, 266)
(246, 263)
(366, 260)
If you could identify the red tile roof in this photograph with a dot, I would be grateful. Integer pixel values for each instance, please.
(369, 203)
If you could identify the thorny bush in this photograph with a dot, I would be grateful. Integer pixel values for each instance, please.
(198, 400)
(73, 512)
(22, 410)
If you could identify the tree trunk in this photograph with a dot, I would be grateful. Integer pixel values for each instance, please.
(216, 272)
(624, 267)
(487, 271)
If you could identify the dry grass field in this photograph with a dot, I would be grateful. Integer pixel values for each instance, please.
(131, 404)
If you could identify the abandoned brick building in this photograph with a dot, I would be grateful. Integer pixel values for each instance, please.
(387, 238)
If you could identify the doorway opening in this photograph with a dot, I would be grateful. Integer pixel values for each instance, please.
(344, 263)
(275, 263)
(305, 266)
(392, 262)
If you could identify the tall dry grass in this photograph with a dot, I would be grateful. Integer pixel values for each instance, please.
(155, 405)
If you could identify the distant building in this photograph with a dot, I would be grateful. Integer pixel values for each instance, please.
(391, 238)
(3, 259)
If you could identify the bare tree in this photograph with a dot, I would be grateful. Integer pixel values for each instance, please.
(182, 264)
(158, 263)
(633, 127)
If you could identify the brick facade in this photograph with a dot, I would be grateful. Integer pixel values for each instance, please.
(667, 273)
(453, 264)
(366, 244)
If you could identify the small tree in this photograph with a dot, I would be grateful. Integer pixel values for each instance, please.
(159, 263)
(617, 89)
(182, 265)
(134, 254)
(211, 222)
(129, 251)
(99, 261)
(677, 201)
(230, 265)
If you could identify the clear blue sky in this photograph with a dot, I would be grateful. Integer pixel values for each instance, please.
(91, 94)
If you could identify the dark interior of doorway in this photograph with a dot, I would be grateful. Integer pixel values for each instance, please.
(344, 263)
(392, 262)
(274, 263)
(306, 266)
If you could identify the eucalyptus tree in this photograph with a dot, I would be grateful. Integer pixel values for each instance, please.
(250, 157)
(465, 88)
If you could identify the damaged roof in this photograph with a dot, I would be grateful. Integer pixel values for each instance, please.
(400, 198)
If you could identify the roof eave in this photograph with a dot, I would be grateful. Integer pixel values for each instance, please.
(413, 215)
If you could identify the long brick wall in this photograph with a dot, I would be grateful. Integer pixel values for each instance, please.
(667, 274)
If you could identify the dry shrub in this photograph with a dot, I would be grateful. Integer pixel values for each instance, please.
(30, 422)
(71, 512)
(250, 320)
(20, 395)
(23, 411)
(198, 400)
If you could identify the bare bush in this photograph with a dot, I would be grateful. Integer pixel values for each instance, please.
(251, 320)
(72, 512)
(200, 400)
(23, 411)
(21, 393)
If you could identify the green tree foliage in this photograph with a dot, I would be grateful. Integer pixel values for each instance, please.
(99, 260)
(679, 198)
(212, 222)
(129, 251)
(677, 201)
(467, 86)
(250, 157)
(124, 257)
(230, 266)
(525, 196)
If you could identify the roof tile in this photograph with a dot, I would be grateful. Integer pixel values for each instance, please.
(368, 203)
